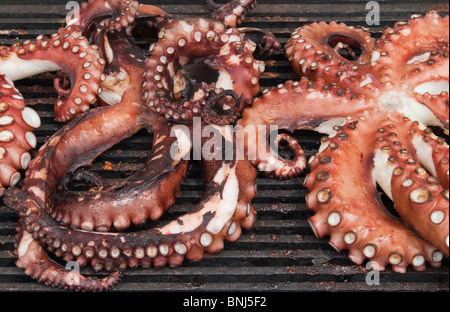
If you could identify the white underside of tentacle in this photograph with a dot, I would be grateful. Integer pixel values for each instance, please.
(223, 205)
(112, 90)
(382, 172)
(409, 107)
(16, 68)
(24, 243)
(224, 81)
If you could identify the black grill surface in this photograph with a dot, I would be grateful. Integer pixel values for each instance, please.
(281, 252)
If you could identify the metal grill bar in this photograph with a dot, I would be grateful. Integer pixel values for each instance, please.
(280, 253)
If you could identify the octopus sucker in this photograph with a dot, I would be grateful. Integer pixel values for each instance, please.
(113, 15)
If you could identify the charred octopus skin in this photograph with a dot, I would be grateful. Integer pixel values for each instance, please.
(162, 92)
(16, 137)
(374, 100)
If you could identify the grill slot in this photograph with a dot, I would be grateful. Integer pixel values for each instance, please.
(280, 253)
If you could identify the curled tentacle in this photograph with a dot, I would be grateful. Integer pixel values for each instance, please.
(292, 167)
(413, 64)
(73, 55)
(16, 137)
(220, 109)
(33, 258)
(324, 108)
(200, 41)
(232, 13)
(273, 164)
(153, 189)
(293, 106)
(145, 195)
(111, 14)
(365, 228)
(334, 52)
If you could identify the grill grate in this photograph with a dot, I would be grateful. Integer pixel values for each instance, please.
(281, 252)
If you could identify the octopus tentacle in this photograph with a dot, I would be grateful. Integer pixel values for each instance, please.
(144, 195)
(113, 15)
(432, 152)
(103, 132)
(366, 229)
(423, 78)
(438, 104)
(232, 13)
(272, 166)
(266, 43)
(154, 188)
(33, 258)
(182, 42)
(16, 137)
(309, 107)
(407, 69)
(327, 51)
(310, 104)
(405, 148)
(62, 86)
(73, 55)
(425, 46)
(220, 109)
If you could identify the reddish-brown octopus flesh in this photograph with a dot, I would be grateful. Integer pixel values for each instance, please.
(375, 100)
